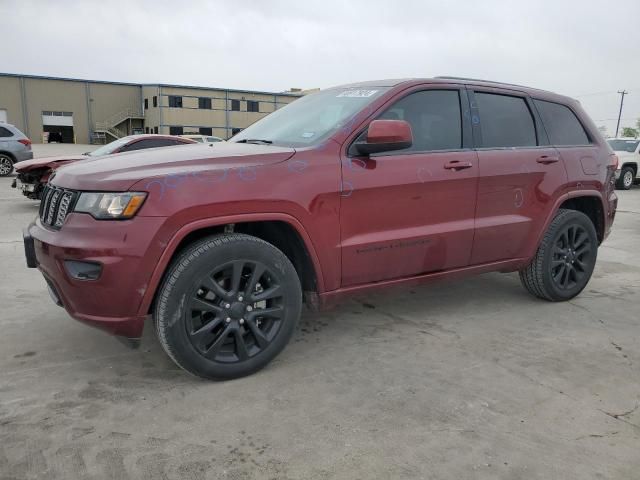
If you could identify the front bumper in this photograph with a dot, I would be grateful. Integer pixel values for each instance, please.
(124, 249)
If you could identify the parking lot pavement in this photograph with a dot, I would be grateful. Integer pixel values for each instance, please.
(472, 379)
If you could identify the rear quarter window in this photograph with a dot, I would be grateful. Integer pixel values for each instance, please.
(4, 132)
(562, 125)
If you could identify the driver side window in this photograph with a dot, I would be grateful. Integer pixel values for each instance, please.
(435, 119)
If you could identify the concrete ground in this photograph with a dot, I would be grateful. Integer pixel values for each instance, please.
(472, 379)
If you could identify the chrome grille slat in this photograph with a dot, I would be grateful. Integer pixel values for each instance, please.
(63, 208)
(53, 203)
(56, 204)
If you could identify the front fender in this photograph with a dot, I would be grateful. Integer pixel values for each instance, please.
(180, 234)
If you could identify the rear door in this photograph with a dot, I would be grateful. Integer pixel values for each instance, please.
(411, 211)
(520, 174)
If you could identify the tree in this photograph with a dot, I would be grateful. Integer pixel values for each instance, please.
(629, 132)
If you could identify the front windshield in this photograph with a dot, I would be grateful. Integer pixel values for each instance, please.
(623, 145)
(312, 118)
(109, 147)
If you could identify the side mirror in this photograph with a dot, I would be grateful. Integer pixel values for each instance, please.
(386, 135)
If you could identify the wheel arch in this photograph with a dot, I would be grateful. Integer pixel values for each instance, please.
(632, 165)
(8, 154)
(589, 202)
(283, 231)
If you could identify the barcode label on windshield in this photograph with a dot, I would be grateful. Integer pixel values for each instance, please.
(357, 93)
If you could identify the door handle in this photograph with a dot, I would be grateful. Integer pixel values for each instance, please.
(546, 159)
(457, 165)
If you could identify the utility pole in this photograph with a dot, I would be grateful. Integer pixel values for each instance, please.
(622, 93)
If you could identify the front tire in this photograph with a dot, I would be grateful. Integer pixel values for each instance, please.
(565, 258)
(227, 306)
(626, 179)
(6, 165)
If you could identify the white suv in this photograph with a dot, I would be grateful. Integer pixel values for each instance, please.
(14, 147)
(628, 151)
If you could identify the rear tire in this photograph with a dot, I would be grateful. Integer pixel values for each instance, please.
(6, 165)
(626, 179)
(565, 259)
(227, 306)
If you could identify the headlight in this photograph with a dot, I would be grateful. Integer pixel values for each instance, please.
(110, 205)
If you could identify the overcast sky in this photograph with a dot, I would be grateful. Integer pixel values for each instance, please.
(584, 49)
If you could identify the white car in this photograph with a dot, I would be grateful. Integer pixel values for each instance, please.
(203, 138)
(628, 151)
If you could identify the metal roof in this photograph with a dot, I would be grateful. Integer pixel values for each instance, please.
(41, 77)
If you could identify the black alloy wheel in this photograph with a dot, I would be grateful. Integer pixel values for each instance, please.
(565, 258)
(572, 257)
(227, 306)
(235, 312)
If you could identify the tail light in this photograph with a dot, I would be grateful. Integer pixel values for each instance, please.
(26, 142)
(613, 161)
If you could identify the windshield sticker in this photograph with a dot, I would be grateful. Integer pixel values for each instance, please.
(357, 93)
(308, 134)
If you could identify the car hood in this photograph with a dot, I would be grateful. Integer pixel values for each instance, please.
(47, 162)
(121, 171)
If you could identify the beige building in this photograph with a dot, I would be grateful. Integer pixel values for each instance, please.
(89, 111)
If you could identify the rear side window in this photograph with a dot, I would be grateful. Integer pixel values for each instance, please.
(435, 119)
(5, 132)
(562, 125)
(505, 121)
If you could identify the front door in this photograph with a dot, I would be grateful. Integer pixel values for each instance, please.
(411, 211)
(520, 175)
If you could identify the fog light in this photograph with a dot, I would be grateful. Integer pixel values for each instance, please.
(83, 270)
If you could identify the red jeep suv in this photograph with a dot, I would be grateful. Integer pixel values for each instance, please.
(352, 188)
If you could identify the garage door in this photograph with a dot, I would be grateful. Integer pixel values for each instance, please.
(58, 127)
(58, 119)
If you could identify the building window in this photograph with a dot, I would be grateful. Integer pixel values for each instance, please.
(235, 130)
(146, 103)
(155, 101)
(235, 105)
(205, 131)
(175, 130)
(204, 103)
(175, 101)
(155, 129)
(253, 106)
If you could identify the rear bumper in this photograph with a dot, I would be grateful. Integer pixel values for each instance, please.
(123, 249)
(22, 155)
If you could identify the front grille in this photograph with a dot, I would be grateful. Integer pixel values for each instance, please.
(56, 203)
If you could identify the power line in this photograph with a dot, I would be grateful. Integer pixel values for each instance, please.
(609, 92)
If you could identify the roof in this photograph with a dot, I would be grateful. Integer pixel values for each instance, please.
(534, 92)
(40, 77)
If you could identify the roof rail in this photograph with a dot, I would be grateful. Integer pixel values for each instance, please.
(445, 77)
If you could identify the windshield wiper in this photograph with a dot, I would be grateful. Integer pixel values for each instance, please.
(255, 140)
